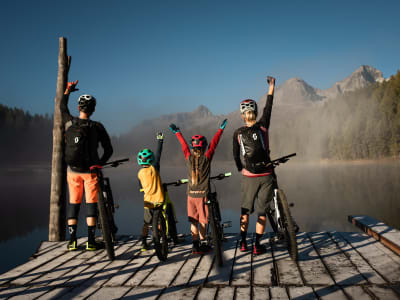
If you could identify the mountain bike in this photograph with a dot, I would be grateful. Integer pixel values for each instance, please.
(106, 206)
(214, 219)
(279, 216)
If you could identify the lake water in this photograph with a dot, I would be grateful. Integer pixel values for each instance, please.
(324, 195)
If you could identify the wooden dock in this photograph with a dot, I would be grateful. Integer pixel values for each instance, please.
(331, 265)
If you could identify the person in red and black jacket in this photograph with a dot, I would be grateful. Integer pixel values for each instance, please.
(252, 142)
(198, 162)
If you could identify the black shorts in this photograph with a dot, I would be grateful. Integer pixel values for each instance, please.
(256, 194)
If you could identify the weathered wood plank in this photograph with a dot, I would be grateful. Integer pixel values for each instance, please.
(362, 266)
(55, 293)
(202, 270)
(46, 247)
(11, 291)
(107, 293)
(207, 293)
(263, 265)
(167, 271)
(241, 273)
(382, 293)
(243, 293)
(80, 292)
(288, 271)
(332, 292)
(224, 293)
(387, 235)
(145, 293)
(301, 293)
(278, 293)
(144, 270)
(356, 292)
(222, 275)
(312, 268)
(339, 266)
(187, 270)
(369, 249)
(260, 293)
(174, 293)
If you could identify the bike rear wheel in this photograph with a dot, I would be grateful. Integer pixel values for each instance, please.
(160, 234)
(216, 232)
(105, 225)
(287, 224)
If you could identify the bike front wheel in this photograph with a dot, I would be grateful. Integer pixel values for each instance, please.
(288, 227)
(216, 234)
(105, 225)
(160, 234)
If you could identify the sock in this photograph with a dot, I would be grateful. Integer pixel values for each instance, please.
(144, 240)
(72, 231)
(244, 235)
(258, 237)
(91, 234)
(196, 244)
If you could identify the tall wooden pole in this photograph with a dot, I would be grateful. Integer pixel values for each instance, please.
(58, 173)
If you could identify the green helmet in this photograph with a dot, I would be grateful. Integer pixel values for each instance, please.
(145, 157)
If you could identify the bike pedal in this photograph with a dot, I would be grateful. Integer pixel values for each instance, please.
(291, 204)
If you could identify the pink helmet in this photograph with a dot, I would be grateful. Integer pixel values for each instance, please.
(199, 141)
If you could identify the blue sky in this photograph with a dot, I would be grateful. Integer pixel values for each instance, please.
(141, 59)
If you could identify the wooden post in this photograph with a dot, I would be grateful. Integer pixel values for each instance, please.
(57, 217)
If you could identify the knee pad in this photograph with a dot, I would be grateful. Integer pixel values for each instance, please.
(91, 210)
(73, 211)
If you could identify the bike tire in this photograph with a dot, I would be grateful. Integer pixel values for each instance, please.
(105, 225)
(173, 233)
(160, 234)
(289, 232)
(216, 234)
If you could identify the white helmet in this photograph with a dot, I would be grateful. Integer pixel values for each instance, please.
(248, 104)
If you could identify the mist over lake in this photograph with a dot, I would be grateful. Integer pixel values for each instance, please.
(324, 195)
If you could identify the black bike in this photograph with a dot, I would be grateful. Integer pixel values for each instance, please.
(106, 207)
(280, 217)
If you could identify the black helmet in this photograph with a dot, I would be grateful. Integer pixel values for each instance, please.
(87, 103)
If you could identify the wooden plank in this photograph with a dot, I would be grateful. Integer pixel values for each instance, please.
(260, 293)
(339, 266)
(241, 273)
(362, 266)
(301, 293)
(107, 293)
(278, 293)
(147, 267)
(138, 261)
(55, 293)
(226, 292)
(11, 291)
(46, 247)
(187, 270)
(356, 292)
(369, 249)
(312, 268)
(382, 293)
(222, 275)
(145, 293)
(387, 235)
(174, 293)
(202, 270)
(262, 265)
(207, 293)
(80, 292)
(332, 292)
(243, 293)
(288, 271)
(168, 270)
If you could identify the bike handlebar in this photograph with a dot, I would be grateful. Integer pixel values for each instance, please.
(116, 163)
(281, 160)
(185, 180)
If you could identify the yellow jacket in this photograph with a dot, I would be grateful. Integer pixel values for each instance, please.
(152, 187)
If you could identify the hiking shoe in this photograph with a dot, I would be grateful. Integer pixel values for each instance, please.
(196, 249)
(93, 246)
(243, 246)
(204, 248)
(259, 249)
(145, 247)
(72, 245)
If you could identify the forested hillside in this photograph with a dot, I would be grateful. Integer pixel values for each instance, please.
(25, 138)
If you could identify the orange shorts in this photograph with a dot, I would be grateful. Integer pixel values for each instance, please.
(197, 209)
(77, 182)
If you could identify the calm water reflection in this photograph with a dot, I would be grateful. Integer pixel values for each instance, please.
(324, 195)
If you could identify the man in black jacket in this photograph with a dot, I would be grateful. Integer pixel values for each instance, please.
(82, 137)
(252, 142)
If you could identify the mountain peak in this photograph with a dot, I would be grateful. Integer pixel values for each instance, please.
(202, 110)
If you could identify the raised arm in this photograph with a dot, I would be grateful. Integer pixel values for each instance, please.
(185, 148)
(214, 142)
(160, 141)
(266, 116)
(105, 143)
(71, 87)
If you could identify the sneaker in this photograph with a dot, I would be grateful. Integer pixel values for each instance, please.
(145, 247)
(72, 245)
(196, 249)
(204, 248)
(259, 249)
(93, 246)
(243, 246)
